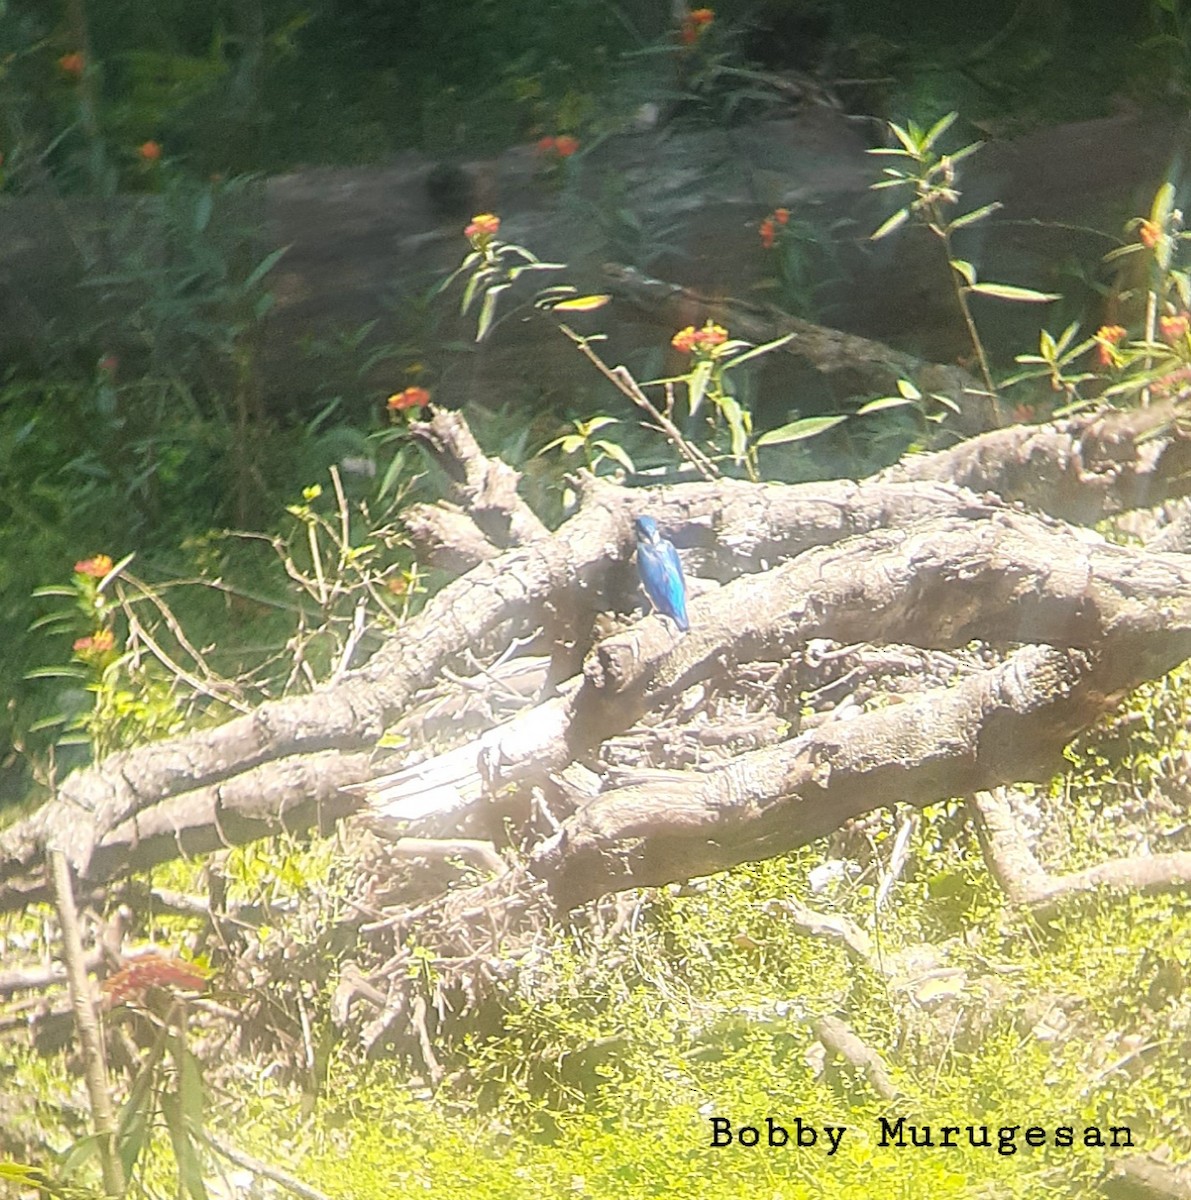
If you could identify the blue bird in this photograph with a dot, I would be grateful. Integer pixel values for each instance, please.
(661, 572)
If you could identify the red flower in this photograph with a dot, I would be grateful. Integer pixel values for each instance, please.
(1174, 329)
(153, 969)
(483, 225)
(96, 567)
(100, 642)
(701, 17)
(412, 397)
(149, 151)
(542, 146)
(767, 233)
(1150, 234)
(1173, 382)
(72, 64)
(565, 146)
(699, 341)
(781, 215)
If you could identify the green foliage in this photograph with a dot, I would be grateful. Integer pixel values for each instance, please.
(620, 1039)
(804, 259)
(930, 177)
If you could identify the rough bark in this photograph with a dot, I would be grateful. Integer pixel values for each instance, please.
(1072, 623)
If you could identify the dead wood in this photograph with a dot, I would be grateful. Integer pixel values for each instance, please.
(1027, 883)
(1138, 1177)
(854, 365)
(840, 1040)
(915, 561)
(1082, 469)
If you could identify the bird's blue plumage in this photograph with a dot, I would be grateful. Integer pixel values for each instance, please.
(661, 572)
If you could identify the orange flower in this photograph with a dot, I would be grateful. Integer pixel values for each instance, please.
(781, 215)
(100, 642)
(1174, 329)
(565, 146)
(149, 151)
(694, 24)
(699, 341)
(72, 64)
(412, 397)
(96, 567)
(1150, 234)
(768, 232)
(542, 146)
(484, 226)
(1108, 337)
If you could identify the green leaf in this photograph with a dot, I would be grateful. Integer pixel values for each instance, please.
(906, 388)
(62, 620)
(582, 303)
(478, 281)
(191, 1089)
(133, 1140)
(597, 423)
(55, 590)
(1006, 291)
(71, 672)
(1163, 202)
(757, 351)
(964, 270)
(80, 1152)
(1066, 337)
(912, 146)
(49, 722)
(977, 214)
(202, 210)
(800, 430)
(886, 227)
(697, 382)
(963, 152)
(1123, 251)
(946, 402)
(939, 128)
(618, 454)
(488, 310)
(738, 424)
(263, 267)
(883, 403)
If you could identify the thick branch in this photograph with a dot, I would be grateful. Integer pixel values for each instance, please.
(1082, 469)
(1027, 883)
(1008, 723)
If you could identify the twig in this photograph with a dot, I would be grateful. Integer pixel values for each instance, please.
(38, 979)
(290, 1182)
(87, 1023)
(831, 926)
(626, 384)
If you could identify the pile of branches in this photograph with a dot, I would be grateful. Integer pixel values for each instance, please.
(940, 630)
